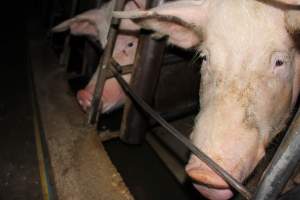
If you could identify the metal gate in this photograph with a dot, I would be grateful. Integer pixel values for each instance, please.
(277, 173)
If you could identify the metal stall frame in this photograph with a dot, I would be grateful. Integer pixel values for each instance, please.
(282, 165)
(276, 175)
(104, 62)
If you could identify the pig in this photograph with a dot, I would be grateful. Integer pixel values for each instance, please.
(95, 23)
(250, 78)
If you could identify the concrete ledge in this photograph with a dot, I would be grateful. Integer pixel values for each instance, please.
(81, 167)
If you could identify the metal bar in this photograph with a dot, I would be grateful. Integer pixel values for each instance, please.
(104, 62)
(284, 162)
(202, 156)
(147, 68)
(65, 55)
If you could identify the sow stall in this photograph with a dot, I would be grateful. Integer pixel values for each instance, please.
(150, 70)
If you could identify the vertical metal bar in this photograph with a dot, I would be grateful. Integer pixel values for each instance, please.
(283, 164)
(144, 81)
(91, 50)
(104, 62)
(65, 55)
(147, 69)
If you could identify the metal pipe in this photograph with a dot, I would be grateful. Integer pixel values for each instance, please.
(104, 62)
(147, 68)
(284, 162)
(65, 55)
(202, 156)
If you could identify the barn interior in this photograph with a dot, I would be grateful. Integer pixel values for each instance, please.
(52, 149)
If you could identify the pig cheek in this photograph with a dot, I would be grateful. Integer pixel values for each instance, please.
(272, 105)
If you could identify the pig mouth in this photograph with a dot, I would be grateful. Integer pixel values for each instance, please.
(213, 193)
(210, 185)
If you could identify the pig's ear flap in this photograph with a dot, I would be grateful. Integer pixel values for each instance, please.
(180, 20)
(292, 21)
(94, 23)
(292, 15)
(77, 26)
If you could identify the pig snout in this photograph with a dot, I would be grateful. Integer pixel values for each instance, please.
(112, 97)
(237, 149)
(207, 182)
(210, 184)
(84, 98)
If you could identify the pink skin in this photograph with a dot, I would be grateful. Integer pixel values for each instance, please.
(124, 54)
(249, 79)
(95, 23)
(113, 96)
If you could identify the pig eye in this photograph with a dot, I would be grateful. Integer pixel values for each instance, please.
(280, 59)
(279, 63)
(130, 44)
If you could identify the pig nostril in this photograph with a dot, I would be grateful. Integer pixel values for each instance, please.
(125, 53)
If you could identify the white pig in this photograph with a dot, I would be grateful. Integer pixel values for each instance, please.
(95, 23)
(249, 78)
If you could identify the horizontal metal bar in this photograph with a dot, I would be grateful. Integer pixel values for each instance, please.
(201, 155)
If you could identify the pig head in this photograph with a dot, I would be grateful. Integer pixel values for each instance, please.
(95, 23)
(249, 78)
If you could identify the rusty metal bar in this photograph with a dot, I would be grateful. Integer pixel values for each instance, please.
(202, 156)
(283, 164)
(147, 67)
(144, 81)
(104, 62)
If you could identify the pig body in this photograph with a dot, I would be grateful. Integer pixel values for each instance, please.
(249, 78)
(95, 23)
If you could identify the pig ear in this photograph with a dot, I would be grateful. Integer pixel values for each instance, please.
(78, 26)
(292, 15)
(94, 23)
(289, 2)
(292, 20)
(180, 20)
